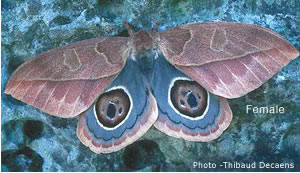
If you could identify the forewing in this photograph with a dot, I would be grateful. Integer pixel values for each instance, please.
(121, 115)
(65, 81)
(228, 59)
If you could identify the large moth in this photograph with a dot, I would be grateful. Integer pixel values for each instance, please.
(177, 80)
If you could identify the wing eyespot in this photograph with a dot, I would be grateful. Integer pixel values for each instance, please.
(112, 108)
(188, 98)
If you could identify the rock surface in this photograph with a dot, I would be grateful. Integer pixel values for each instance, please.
(33, 140)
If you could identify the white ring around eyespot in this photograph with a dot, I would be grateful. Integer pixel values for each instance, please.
(129, 111)
(173, 107)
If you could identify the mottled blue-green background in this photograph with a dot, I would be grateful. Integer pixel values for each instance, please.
(34, 141)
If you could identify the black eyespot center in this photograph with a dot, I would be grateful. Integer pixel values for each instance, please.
(192, 101)
(111, 111)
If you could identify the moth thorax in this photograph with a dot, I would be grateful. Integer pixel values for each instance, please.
(188, 98)
(142, 41)
(112, 107)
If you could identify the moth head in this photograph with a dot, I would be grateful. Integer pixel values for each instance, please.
(142, 41)
(112, 108)
(188, 98)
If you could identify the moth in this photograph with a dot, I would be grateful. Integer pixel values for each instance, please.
(178, 80)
